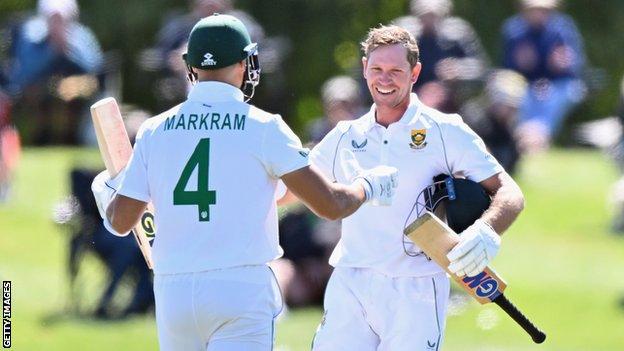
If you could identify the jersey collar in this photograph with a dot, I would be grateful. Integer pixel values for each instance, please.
(215, 92)
(410, 116)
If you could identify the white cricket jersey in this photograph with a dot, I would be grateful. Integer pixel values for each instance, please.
(211, 166)
(422, 144)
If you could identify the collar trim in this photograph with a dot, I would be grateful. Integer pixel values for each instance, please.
(214, 92)
(411, 115)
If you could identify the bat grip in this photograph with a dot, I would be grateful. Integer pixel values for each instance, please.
(537, 335)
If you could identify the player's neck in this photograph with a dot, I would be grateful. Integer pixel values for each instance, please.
(386, 115)
(226, 81)
(228, 75)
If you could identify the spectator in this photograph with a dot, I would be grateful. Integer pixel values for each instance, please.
(166, 56)
(544, 46)
(451, 53)
(121, 256)
(607, 134)
(307, 241)
(341, 101)
(10, 147)
(494, 115)
(51, 43)
(617, 152)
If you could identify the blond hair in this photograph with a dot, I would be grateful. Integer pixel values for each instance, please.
(390, 35)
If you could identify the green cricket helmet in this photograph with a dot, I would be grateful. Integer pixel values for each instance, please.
(219, 41)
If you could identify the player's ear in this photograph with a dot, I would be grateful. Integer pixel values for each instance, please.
(416, 72)
(364, 65)
(241, 66)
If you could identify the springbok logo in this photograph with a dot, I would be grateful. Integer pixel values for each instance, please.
(208, 60)
(419, 137)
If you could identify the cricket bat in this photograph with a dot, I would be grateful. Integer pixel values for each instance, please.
(116, 150)
(436, 239)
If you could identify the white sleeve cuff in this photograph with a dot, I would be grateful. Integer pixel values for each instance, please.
(366, 185)
(109, 227)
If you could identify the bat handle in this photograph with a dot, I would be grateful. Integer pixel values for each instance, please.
(537, 335)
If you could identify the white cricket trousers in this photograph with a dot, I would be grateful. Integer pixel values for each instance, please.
(220, 310)
(369, 311)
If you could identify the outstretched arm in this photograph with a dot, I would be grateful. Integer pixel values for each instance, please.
(328, 200)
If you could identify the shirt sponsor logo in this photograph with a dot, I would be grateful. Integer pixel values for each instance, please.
(359, 147)
(208, 60)
(419, 139)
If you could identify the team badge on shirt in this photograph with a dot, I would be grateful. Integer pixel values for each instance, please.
(419, 139)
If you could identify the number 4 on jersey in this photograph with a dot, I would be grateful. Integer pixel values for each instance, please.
(202, 197)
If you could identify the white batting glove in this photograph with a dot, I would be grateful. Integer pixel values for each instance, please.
(379, 183)
(104, 189)
(478, 245)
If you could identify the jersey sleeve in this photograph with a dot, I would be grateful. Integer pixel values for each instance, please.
(323, 155)
(468, 154)
(282, 151)
(134, 184)
(280, 190)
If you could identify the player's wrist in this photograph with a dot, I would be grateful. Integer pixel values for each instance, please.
(488, 232)
(109, 226)
(490, 239)
(366, 185)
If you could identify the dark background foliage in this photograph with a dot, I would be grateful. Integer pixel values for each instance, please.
(324, 37)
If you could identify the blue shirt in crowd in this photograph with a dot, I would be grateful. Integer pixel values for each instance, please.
(538, 44)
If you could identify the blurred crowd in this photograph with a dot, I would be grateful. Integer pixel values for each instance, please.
(53, 65)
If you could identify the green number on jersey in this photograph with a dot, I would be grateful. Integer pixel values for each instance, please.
(202, 197)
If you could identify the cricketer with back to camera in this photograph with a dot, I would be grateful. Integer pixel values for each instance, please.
(384, 293)
(211, 168)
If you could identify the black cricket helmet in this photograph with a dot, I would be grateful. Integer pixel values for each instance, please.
(464, 200)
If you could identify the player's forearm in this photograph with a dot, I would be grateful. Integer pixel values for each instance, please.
(335, 202)
(331, 201)
(507, 203)
(346, 200)
(124, 213)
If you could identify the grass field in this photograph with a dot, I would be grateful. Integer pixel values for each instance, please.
(563, 267)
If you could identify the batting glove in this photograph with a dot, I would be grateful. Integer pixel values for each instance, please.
(104, 189)
(379, 183)
(478, 245)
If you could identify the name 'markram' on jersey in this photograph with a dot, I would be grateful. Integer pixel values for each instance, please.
(205, 121)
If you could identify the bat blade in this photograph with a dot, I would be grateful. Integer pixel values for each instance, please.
(116, 150)
(436, 239)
